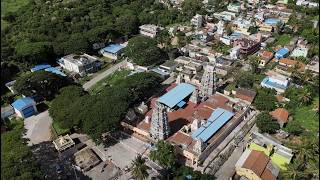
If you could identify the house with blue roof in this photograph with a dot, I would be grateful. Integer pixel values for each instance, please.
(281, 53)
(279, 83)
(25, 107)
(112, 51)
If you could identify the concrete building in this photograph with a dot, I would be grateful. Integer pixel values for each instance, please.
(281, 53)
(225, 15)
(80, 64)
(25, 107)
(255, 165)
(86, 159)
(149, 30)
(265, 57)
(299, 52)
(63, 142)
(247, 46)
(112, 51)
(234, 7)
(197, 21)
(313, 65)
(278, 82)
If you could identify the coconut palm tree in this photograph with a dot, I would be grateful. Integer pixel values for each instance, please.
(305, 97)
(140, 168)
(294, 171)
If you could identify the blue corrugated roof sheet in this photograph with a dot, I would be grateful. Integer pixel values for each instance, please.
(217, 119)
(22, 103)
(40, 67)
(177, 94)
(181, 104)
(272, 21)
(266, 82)
(282, 51)
(55, 71)
(113, 48)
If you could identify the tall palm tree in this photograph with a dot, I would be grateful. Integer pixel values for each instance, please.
(305, 97)
(140, 168)
(294, 171)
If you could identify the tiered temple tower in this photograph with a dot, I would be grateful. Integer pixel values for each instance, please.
(207, 82)
(159, 129)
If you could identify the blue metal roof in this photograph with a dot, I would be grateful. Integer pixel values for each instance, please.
(113, 48)
(40, 67)
(282, 51)
(272, 21)
(217, 119)
(181, 104)
(269, 83)
(177, 94)
(22, 103)
(55, 71)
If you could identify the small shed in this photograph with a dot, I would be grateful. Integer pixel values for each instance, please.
(25, 107)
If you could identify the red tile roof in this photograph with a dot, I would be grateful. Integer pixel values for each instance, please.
(245, 94)
(257, 162)
(280, 114)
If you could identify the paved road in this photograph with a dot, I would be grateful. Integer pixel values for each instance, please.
(102, 75)
(38, 128)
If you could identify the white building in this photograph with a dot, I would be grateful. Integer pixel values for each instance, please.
(197, 21)
(234, 7)
(277, 82)
(149, 30)
(81, 64)
(225, 15)
(235, 52)
(220, 27)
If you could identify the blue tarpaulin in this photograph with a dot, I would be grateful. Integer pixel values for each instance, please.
(40, 67)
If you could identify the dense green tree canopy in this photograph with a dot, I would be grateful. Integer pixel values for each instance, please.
(265, 99)
(144, 51)
(41, 83)
(164, 154)
(192, 7)
(266, 123)
(244, 79)
(100, 113)
(17, 161)
(64, 107)
(50, 29)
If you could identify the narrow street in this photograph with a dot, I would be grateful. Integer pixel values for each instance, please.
(102, 75)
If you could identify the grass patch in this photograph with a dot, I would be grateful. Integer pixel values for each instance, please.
(283, 40)
(109, 81)
(307, 117)
(58, 129)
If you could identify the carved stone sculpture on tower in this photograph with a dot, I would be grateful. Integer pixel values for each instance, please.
(159, 129)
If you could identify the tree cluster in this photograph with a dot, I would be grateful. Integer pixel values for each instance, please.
(17, 160)
(41, 83)
(266, 123)
(43, 30)
(265, 99)
(100, 113)
(144, 51)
